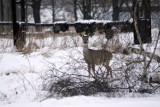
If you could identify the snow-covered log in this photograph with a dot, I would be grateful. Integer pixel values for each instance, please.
(154, 77)
(139, 51)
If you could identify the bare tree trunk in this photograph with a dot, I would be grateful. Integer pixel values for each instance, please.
(2, 11)
(6, 11)
(18, 30)
(53, 11)
(36, 10)
(14, 19)
(36, 6)
(115, 14)
(136, 22)
(137, 31)
(86, 4)
(23, 11)
(146, 9)
(23, 27)
(75, 10)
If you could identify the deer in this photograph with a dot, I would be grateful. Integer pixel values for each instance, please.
(95, 57)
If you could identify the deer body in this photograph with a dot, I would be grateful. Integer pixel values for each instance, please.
(96, 57)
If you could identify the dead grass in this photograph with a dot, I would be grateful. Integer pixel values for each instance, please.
(45, 37)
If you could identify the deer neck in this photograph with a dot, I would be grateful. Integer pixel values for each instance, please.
(85, 48)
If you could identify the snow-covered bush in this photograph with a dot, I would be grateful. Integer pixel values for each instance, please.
(64, 84)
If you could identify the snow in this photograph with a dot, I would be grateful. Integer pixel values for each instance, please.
(83, 101)
(60, 22)
(20, 80)
(92, 21)
(21, 74)
(19, 62)
(46, 15)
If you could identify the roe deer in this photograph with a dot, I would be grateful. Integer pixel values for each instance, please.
(96, 57)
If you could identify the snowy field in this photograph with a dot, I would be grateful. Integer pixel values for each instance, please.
(21, 73)
(83, 101)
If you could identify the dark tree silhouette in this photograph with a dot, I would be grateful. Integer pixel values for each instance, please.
(86, 4)
(2, 13)
(36, 5)
(75, 9)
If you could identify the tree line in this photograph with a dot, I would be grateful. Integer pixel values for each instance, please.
(87, 9)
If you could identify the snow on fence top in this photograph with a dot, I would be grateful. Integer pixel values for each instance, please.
(60, 22)
(68, 23)
(93, 21)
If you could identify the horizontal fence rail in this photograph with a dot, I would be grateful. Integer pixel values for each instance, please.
(80, 26)
(113, 23)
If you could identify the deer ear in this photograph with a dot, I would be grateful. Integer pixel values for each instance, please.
(81, 35)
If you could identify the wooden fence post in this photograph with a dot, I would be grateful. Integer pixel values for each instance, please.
(18, 29)
(23, 27)
(14, 21)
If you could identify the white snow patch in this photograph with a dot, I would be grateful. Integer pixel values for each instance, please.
(82, 101)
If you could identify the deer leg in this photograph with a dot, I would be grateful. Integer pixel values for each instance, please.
(93, 70)
(109, 71)
(89, 69)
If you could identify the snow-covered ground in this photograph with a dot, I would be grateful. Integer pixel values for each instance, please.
(83, 101)
(21, 74)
